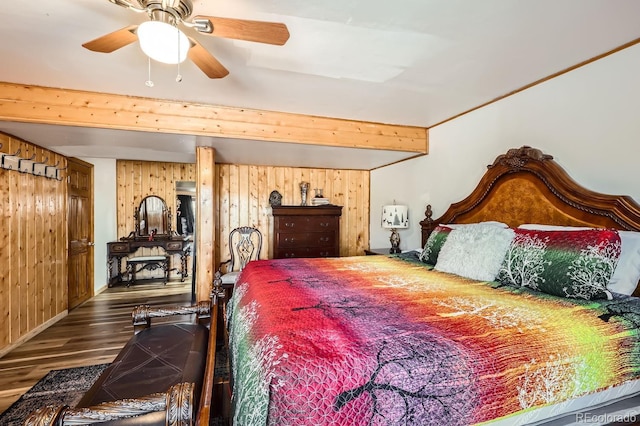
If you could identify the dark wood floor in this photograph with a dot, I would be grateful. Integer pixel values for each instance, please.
(93, 333)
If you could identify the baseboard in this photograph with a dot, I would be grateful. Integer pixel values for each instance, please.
(100, 290)
(33, 333)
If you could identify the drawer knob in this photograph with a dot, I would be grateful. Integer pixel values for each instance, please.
(289, 224)
(324, 224)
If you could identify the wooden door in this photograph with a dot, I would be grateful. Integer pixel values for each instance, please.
(80, 220)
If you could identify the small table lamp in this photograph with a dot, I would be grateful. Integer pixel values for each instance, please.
(395, 217)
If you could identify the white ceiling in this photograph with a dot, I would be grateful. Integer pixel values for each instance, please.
(413, 62)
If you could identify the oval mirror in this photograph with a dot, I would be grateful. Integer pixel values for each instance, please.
(152, 216)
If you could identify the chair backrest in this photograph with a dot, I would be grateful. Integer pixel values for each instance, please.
(245, 244)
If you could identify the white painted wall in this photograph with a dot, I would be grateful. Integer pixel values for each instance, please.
(104, 221)
(588, 119)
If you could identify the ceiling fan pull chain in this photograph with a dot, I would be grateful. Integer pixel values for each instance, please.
(149, 83)
(179, 76)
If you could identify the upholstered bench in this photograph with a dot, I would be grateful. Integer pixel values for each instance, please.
(151, 263)
(164, 374)
(151, 362)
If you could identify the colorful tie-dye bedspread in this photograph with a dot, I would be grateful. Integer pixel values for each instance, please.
(377, 340)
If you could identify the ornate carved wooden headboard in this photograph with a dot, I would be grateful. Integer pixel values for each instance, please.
(527, 186)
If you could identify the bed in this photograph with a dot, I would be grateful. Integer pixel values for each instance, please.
(487, 323)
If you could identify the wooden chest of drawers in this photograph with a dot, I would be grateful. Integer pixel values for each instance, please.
(306, 231)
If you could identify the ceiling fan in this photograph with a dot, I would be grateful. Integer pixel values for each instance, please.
(168, 15)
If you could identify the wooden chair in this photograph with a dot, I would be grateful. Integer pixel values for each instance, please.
(245, 244)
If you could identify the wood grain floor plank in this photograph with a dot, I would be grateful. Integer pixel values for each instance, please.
(93, 333)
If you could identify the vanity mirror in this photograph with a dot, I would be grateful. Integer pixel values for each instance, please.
(153, 218)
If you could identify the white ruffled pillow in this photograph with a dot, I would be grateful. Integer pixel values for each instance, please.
(627, 273)
(475, 251)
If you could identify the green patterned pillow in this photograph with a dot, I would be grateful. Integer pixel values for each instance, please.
(575, 264)
(434, 243)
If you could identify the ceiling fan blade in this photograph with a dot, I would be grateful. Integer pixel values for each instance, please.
(243, 29)
(113, 41)
(205, 61)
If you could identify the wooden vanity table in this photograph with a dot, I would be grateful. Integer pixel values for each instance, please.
(152, 231)
(126, 248)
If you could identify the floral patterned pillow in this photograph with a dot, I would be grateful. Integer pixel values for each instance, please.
(434, 244)
(574, 264)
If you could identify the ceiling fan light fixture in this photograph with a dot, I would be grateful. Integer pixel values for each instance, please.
(163, 42)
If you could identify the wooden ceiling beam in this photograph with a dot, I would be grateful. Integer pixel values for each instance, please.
(38, 104)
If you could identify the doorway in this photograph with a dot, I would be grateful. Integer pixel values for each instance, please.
(185, 222)
(80, 229)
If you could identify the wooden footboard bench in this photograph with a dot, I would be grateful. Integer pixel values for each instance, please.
(164, 375)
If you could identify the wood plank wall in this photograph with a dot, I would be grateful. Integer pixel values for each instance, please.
(243, 197)
(139, 179)
(244, 190)
(33, 250)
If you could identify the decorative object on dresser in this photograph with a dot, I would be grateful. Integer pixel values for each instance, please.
(304, 191)
(152, 230)
(306, 231)
(245, 244)
(395, 217)
(275, 198)
(319, 199)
